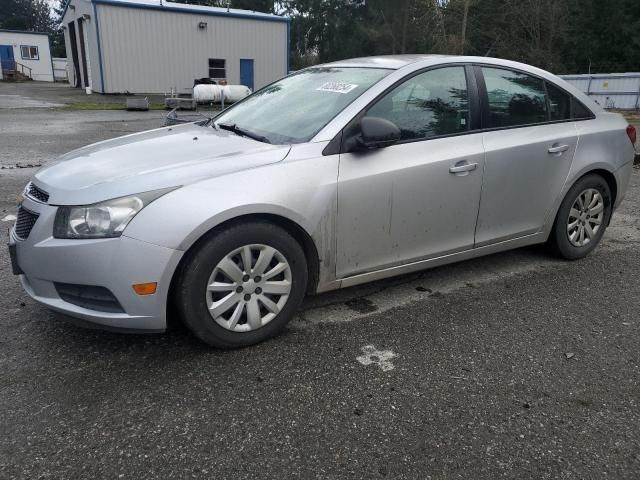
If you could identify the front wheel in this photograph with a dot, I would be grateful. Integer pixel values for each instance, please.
(582, 218)
(242, 285)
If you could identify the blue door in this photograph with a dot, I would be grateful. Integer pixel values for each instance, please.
(246, 72)
(6, 57)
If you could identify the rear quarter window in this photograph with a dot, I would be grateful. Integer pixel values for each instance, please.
(580, 112)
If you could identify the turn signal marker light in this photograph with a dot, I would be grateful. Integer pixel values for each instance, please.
(145, 288)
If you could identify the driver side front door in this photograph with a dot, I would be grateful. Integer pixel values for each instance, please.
(419, 198)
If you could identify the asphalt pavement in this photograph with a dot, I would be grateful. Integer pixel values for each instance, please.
(516, 365)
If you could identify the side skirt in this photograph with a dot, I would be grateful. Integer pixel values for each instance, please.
(535, 238)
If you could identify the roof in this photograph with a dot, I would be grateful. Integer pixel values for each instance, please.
(163, 5)
(25, 32)
(385, 61)
(396, 62)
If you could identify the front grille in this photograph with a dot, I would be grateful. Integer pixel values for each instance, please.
(37, 193)
(89, 296)
(24, 223)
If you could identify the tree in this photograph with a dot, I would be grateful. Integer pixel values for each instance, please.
(28, 15)
(57, 36)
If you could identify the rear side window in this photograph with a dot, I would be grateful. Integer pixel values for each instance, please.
(559, 103)
(515, 98)
(430, 104)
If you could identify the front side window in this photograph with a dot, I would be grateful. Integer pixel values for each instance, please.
(217, 68)
(515, 98)
(29, 53)
(430, 104)
(296, 108)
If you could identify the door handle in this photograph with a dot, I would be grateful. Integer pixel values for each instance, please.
(463, 167)
(558, 149)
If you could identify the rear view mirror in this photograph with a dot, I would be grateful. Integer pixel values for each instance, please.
(377, 132)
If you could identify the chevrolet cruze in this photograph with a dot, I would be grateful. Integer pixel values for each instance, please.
(334, 176)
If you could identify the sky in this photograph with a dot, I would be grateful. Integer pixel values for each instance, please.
(52, 4)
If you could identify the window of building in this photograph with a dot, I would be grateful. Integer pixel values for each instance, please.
(559, 103)
(217, 68)
(430, 104)
(29, 53)
(514, 98)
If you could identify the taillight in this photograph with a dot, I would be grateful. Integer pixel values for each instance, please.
(631, 131)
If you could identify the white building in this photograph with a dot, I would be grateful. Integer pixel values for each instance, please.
(25, 55)
(154, 46)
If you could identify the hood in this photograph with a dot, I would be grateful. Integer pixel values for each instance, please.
(166, 157)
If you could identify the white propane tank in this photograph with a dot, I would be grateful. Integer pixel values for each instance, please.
(235, 93)
(207, 93)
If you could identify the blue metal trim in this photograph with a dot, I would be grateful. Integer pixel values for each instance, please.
(95, 16)
(23, 31)
(185, 9)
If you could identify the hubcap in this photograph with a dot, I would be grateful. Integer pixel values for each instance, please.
(248, 288)
(585, 217)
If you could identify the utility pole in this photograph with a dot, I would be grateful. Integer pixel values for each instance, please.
(463, 33)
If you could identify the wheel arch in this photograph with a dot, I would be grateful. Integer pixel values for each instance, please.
(294, 229)
(609, 177)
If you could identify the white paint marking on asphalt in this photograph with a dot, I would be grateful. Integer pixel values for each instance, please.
(9, 218)
(373, 356)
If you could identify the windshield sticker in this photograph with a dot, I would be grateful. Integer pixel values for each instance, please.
(337, 87)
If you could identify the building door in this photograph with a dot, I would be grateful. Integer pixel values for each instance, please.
(6, 57)
(246, 72)
(83, 53)
(77, 81)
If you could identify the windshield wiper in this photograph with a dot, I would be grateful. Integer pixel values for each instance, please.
(243, 132)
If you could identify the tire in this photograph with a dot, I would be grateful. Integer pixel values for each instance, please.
(565, 239)
(207, 283)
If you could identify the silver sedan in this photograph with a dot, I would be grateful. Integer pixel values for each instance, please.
(336, 175)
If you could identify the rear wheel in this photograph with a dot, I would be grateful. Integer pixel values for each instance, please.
(242, 285)
(582, 218)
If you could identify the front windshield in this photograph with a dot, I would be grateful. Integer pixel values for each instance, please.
(297, 107)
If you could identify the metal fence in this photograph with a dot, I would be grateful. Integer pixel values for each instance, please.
(609, 90)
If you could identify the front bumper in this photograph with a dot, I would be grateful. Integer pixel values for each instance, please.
(114, 263)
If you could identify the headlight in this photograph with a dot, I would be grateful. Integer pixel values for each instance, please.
(102, 220)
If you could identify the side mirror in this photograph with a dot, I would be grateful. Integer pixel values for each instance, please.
(377, 132)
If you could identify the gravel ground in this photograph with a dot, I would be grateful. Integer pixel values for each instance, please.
(511, 366)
